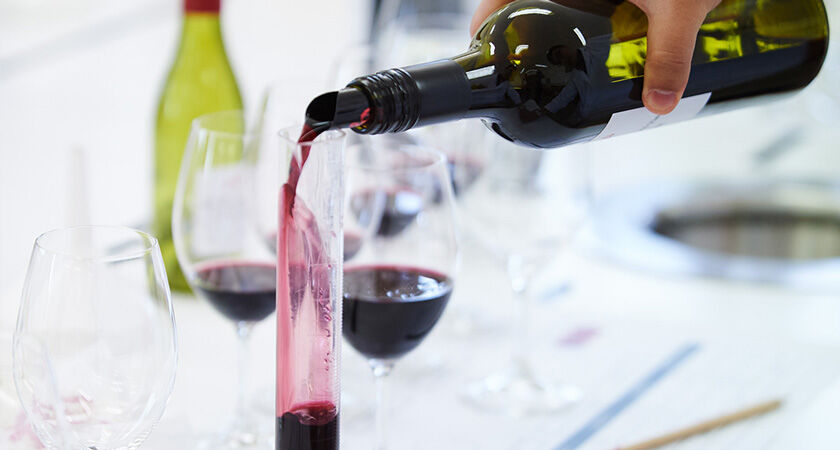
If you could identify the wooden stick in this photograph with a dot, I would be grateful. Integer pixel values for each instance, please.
(706, 426)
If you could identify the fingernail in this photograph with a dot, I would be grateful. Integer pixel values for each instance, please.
(661, 100)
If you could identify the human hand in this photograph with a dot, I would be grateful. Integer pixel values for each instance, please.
(672, 33)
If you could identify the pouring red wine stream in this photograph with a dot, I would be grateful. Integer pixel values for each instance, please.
(303, 270)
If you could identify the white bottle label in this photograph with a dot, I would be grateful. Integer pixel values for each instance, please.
(641, 119)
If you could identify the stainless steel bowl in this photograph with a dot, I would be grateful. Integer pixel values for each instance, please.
(785, 232)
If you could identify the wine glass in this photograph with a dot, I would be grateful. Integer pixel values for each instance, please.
(95, 346)
(223, 257)
(526, 208)
(396, 290)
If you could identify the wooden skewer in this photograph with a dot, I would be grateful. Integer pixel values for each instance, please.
(706, 426)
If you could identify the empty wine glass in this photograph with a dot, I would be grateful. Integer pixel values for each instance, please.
(95, 346)
(526, 208)
(396, 290)
(222, 256)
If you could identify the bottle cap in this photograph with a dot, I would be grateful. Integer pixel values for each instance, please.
(209, 6)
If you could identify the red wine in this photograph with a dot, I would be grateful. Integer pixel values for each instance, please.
(389, 310)
(400, 210)
(244, 292)
(313, 426)
(548, 73)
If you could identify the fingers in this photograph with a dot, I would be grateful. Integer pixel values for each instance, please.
(485, 9)
(672, 33)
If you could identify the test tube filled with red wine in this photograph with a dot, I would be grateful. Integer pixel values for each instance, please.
(309, 280)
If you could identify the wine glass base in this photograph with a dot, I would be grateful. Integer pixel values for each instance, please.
(519, 393)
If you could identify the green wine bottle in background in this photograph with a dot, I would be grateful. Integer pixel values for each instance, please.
(201, 81)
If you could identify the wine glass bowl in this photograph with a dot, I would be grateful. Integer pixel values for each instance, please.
(95, 346)
(222, 256)
(389, 310)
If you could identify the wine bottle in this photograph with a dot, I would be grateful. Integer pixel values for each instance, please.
(552, 73)
(201, 81)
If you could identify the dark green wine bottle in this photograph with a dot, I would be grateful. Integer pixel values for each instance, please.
(552, 73)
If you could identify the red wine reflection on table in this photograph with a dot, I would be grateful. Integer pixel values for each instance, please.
(389, 310)
(242, 291)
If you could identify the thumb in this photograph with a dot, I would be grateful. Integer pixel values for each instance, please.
(485, 8)
(672, 34)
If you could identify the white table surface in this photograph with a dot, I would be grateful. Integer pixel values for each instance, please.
(638, 318)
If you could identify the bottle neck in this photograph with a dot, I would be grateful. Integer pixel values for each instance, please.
(201, 31)
(401, 99)
(485, 90)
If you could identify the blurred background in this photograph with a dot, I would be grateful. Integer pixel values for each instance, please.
(728, 224)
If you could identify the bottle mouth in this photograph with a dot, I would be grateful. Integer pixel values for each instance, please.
(347, 108)
(322, 108)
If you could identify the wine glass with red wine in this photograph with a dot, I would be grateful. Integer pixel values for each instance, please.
(219, 249)
(395, 291)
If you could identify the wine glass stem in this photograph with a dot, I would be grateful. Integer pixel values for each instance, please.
(521, 312)
(381, 370)
(243, 332)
